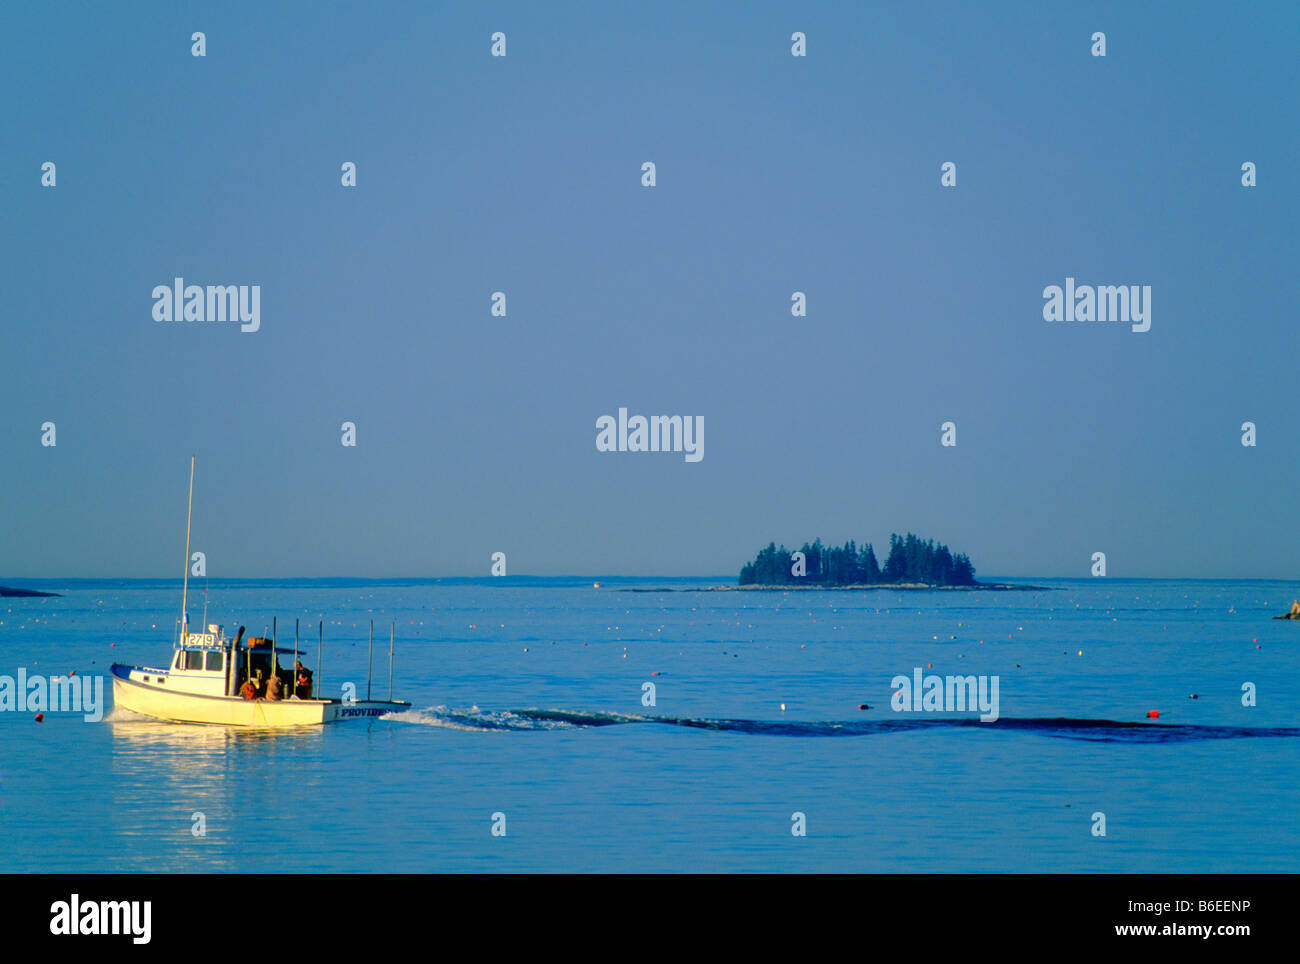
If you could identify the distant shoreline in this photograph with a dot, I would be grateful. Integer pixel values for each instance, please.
(9, 591)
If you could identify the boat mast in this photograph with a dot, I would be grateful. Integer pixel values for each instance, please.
(185, 586)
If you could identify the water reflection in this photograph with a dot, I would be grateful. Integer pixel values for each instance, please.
(141, 734)
(170, 779)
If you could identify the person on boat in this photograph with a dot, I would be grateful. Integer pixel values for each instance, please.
(303, 676)
(273, 687)
(1295, 608)
(249, 691)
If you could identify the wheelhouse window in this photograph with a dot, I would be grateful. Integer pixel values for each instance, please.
(212, 661)
(193, 659)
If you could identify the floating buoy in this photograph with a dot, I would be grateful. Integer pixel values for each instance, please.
(40, 717)
(1153, 714)
(655, 673)
(782, 707)
(863, 706)
(1080, 652)
(595, 585)
(1193, 697)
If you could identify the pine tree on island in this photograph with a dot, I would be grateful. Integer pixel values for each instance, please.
(910, 561)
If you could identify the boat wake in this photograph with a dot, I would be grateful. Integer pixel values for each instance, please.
(120, 714)
(487, 721)
(1105, 731)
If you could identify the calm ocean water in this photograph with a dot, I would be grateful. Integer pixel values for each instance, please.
(593, 786)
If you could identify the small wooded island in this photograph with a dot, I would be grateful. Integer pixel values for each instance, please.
(911, 563)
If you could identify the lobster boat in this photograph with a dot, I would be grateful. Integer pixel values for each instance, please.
(206, 679)
(236, 682)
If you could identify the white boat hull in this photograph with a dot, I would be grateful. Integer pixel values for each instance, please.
(176, 706)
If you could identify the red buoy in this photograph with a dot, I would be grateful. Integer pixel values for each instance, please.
(863, 706)
(40, 717)
(1153, 714)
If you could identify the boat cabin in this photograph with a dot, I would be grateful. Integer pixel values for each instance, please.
(210, 664)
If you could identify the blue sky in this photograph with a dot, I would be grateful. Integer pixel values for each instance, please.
(522, 174)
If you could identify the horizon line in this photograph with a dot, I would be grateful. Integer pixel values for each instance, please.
(5, 580)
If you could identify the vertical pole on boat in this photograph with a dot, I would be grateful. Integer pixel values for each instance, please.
(294, 687)
(185, 585)
(275, 663)
(392, 632)
(320, 644)
(370, 669)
